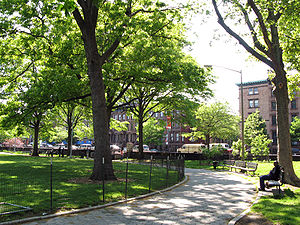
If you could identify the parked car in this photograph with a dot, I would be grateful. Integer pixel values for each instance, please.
(191, 148)
(145, 147)
(87, 146)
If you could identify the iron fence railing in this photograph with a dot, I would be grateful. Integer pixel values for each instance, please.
(54, 188)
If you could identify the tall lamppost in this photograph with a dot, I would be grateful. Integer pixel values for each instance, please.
(242, 105)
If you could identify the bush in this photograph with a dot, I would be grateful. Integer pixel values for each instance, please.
(213, 153)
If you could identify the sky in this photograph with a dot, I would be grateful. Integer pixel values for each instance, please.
(224, 52)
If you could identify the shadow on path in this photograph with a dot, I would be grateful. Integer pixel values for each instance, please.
(208, 197)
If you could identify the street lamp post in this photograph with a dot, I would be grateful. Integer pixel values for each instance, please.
(242, 105)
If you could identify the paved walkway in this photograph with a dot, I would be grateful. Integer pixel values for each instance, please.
(207, 198)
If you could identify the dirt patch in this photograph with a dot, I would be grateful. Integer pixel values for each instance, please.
(254, 219)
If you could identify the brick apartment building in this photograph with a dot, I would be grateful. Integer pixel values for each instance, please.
(258, 95)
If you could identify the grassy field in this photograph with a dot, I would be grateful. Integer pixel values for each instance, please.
(285, 210)
(25, 181)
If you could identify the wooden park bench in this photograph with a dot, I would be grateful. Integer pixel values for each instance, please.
(251, 167)
(228, 163)
(241, 165)
(277, 183)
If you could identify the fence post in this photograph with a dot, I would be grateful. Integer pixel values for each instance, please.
(150, 173)
(178, 168)
(103, 184)
(126, 182)
(167, 175)
(51, 186)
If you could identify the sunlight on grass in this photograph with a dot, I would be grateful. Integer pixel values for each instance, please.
(72, 188)
(283, 211)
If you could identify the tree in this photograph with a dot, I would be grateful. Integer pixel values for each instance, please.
(154, 132)
(254, 126)
(119, 23)
(268, 21)
(214, 121)
(175, 80)
(70, 115)
(260, 146)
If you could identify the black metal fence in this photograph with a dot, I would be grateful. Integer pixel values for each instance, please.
(25, 192)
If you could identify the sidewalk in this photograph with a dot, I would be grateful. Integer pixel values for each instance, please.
(207, 198)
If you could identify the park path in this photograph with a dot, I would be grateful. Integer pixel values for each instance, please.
(208, 197)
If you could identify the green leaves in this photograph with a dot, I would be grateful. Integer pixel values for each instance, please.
(214, 121)
(254, 126)
(295, 129)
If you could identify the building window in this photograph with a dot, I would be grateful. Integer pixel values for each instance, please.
(253, 103)
(293, 104)
(253, 91)
(161, 114)
(273, 120)
(273, 105)
(182, 138)
(124, 117)
(172, 137)
(177, 137)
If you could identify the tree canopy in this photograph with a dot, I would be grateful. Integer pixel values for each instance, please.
(214, 121)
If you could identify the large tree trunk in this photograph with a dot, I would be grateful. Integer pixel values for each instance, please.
(35, 151)
(95, 62)
(284, 153)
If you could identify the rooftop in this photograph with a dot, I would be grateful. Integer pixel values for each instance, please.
(253, 83)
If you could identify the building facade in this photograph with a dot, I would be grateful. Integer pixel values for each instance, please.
(258, 95)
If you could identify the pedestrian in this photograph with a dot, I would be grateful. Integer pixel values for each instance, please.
(273, 175)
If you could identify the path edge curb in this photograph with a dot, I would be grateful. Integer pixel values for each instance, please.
(31, 219)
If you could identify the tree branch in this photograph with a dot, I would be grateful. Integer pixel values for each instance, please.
(256, 42)
(261, 23)
(79, 20)
(239, 39)
(21, 74)
(110, 50)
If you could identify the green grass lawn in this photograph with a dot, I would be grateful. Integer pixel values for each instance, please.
(285, 210)
(25, 181)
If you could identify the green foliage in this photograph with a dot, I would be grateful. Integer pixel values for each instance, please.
(237, 149)
(212, 153)
(256, 135)
(214, 121)
(154, 132)
(118, 125)
(260, 145)
(254, 126)
(295, 130)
